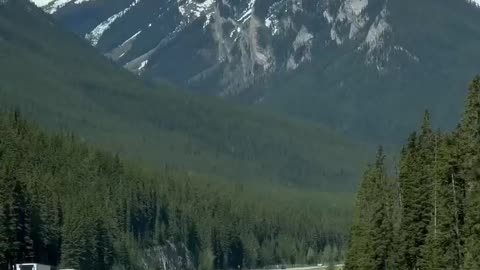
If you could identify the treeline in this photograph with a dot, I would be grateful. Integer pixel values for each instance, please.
(65, 203)
(428, 217)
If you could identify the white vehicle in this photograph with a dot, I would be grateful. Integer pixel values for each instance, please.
(33, 266)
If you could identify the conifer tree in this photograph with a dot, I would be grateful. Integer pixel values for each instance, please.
(407, 251)
(465, 154)
(441, 249)
(472, 243)
(472, 232)
(4, 243)
(371, 234)
(417, 183)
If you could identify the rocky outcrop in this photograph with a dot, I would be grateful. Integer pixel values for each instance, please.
(167, 257)
(234, 44)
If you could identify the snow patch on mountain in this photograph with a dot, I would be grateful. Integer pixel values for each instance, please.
(55, 5)
(247, 14)
(81, 1)
(192, 10)
(52, 6)
(475, 2)
(143, 65)
(95, 35)
(375, 36)
(132, 38)
(243, 42)
(39, 3)
(272, 21)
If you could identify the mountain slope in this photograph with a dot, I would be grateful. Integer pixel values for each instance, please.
(53, 77)
(66, 203)
(354, 65)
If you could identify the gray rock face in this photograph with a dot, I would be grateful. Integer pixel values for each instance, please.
(168, 257)
(230, 44)
(354, 65)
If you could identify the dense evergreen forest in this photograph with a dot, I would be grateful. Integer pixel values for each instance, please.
(63, 202)
(224, 182)
(428, 216)
(60, 82)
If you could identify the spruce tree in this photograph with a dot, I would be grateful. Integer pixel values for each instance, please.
(371, 235)
(407, 251)
(472, 232)
(416, 184)
(467, 147)
(472, 245)
(441, 249)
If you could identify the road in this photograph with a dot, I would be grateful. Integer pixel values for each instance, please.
(337, 267)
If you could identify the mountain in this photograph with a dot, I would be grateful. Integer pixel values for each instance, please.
(364, 67)
(55, 78)
(203, 185)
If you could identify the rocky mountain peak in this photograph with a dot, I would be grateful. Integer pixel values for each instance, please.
(344, 63)
(235, 43)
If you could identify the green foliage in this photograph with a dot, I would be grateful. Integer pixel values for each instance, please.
(206, 259)
(216, 173)
(66, 203)
(472, 232)
(438, 194)
(71, 87)
(416, 181)
(372, 226)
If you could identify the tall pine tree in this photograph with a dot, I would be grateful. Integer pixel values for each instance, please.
(416, 183)
(472, 232)
(371, 234)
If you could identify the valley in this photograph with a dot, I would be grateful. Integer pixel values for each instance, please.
(103, 170)
(350, 65)
(224, 134)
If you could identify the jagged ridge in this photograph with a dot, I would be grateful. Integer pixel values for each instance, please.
(253, 50)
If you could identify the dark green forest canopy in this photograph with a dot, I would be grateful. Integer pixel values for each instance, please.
(66, 203)
(59, 81)
(427, 216)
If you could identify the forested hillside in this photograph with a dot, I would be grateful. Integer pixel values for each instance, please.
(66, 203)
(60, 81)
(353, 65)
(428, 216)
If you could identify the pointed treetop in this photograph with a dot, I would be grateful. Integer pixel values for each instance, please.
(380, 160)
(426, 128)
(469, 129)
(472, 107)
(426, 119)
(475, 84)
